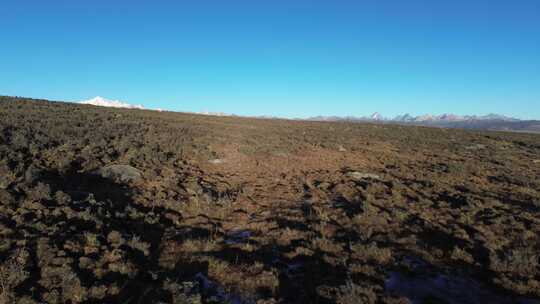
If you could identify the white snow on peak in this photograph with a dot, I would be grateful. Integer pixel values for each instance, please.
(377, 116)
(104, 102)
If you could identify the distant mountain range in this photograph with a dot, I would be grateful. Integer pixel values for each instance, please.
(483, 122)
(422, 118)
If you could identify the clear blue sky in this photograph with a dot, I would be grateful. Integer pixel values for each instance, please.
(292, 58)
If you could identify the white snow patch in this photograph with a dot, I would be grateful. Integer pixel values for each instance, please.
(104, 102)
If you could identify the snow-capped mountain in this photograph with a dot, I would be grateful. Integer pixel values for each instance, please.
(405, 117)
(424, 119)
(104, 102)
(376, 116)
(455, 118)
(495, 117)
(479, 122)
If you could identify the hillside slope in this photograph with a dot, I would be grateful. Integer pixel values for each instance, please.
(105, 205)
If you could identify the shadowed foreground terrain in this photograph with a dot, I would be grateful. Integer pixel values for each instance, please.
(101, 205)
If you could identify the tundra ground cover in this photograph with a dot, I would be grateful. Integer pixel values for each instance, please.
(101, 205)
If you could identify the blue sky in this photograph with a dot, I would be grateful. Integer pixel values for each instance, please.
(287, 58)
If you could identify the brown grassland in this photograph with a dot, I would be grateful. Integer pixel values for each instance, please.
(102, 205)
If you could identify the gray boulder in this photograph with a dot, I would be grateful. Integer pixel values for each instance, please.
(32, 174)
(121, 173)
(355, 175)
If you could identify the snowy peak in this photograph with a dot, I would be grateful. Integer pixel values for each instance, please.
(495, 117)
(104, 102)
(376, 116)
(423, 119)
(405, 117)
(450, 117)
(458, 118)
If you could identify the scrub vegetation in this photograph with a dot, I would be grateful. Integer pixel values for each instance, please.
(102, 205)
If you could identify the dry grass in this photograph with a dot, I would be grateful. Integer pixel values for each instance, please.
(316, 231)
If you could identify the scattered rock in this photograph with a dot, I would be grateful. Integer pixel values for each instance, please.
(32, 174)
(360, 176)
(280, 154)
(121, 173)
(342, 149)
(216, 161)
(4, 182)
(476, 147)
